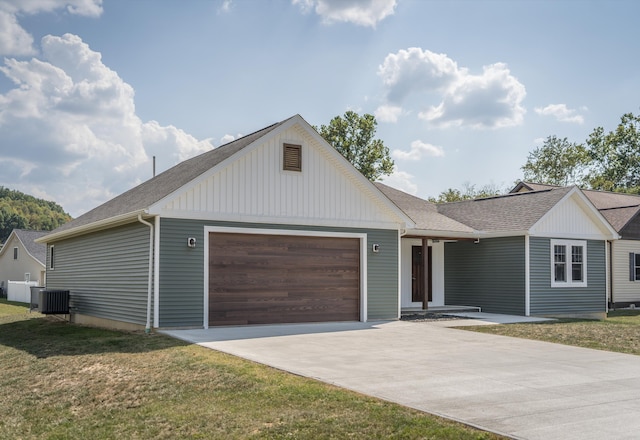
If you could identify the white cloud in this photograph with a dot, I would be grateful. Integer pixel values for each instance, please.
(229, 138)
(418, 149)
(359, 12)
(225, 6)
(15, 40)
(561, 113)
(401, 180)
(71, 131)
(388, 113)
(492, 99)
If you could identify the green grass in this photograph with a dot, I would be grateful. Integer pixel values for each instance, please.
(620, 332)
(61, 381)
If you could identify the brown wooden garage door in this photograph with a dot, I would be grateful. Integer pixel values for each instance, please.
(264, 279)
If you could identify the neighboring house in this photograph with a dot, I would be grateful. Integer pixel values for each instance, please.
(273, 227)
(622, 211)
(541, 253)
(22, 259)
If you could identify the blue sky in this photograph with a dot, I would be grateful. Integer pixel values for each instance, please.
(90, 90)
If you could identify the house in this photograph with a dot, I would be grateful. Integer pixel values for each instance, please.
(274, 227)
(622, 211)
(539, 253)
(22, 259)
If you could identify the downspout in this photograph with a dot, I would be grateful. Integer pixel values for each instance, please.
(147, 328)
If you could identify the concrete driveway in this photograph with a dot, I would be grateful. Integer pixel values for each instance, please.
(519, 388)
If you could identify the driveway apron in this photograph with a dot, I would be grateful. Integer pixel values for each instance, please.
(519, 388)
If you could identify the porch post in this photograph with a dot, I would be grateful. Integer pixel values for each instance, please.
(425, 274)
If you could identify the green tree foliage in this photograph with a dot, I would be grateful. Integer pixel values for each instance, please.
(556, 162)
(616, 156)
(468, 192)
(354, 137)
(22, 211)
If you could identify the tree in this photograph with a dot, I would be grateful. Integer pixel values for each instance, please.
(469, 192)
(557, 162)
(616, 156)
(353, 137)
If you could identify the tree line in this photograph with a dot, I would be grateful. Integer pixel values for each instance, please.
(607, 161)
(22, 211)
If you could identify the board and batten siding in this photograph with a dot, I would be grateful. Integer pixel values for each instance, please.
(106, 272)
(181, 280)
(547, 300)
(624, 290)
(255, 188)
(489, 274)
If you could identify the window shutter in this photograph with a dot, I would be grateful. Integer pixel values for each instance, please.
(632, 266)
(292, 159)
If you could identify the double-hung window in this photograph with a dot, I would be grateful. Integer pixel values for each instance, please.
(634, 266)
(568, 263)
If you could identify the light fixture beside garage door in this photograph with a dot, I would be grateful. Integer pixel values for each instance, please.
(191, 242)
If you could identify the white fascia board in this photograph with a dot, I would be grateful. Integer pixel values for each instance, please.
(436, 233)
(95, 226)
(303, 221)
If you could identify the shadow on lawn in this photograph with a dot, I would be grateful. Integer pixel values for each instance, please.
(45, 337)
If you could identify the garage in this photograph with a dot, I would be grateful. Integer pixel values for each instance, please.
(268, 279)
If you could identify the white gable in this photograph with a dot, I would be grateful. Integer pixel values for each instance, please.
(253, 187)
(573, 217)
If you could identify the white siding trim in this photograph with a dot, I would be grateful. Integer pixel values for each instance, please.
(233, 230)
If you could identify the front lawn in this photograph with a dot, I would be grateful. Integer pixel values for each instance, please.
(619, 332)
(61, 381)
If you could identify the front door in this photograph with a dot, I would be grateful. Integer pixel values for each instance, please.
(417, 274)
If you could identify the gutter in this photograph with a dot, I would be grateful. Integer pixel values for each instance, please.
(147, 328)
(92, 226)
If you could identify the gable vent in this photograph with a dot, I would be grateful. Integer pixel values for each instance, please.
(292, 157)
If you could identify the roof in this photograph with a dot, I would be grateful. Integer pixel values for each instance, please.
(424, 213)
(618, 208)
(147, 193)
(139, 200)
(510, 212)
(530, 186)
(27, 238)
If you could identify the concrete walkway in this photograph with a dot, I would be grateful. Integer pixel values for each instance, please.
(519, 388)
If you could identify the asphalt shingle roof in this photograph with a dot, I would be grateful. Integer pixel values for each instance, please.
(617, 208)
(153, 190)
(37, 250)
(510, 212)
(424, 213)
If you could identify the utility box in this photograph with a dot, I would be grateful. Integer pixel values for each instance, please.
(53, 302)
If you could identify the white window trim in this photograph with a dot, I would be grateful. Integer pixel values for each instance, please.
(52, 256)
(569, 282)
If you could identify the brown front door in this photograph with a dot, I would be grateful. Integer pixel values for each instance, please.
(264, 279)
(417, 274)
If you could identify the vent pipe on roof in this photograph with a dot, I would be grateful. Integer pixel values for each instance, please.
(154, 166)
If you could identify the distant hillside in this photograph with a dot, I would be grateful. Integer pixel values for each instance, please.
(22, 211)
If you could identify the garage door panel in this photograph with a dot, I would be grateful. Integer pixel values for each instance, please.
(256, 279)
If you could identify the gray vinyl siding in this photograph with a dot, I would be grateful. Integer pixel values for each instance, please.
(489, 274)
(547, 300)
(181, 291)
(106, 272)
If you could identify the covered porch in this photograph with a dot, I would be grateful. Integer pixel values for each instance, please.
(422, 279)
